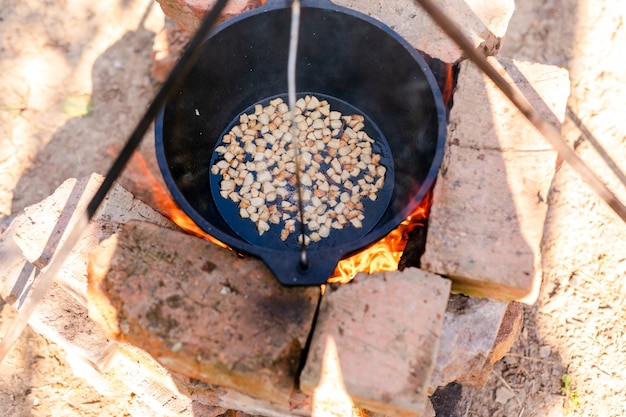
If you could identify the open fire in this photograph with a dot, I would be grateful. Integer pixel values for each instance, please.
(162, 200)
(381, 256)
(384, 255)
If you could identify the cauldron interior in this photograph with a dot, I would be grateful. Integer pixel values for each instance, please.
(342, 54)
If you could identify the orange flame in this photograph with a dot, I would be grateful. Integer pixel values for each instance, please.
(448, 88)
(163, 202)
(383, 255)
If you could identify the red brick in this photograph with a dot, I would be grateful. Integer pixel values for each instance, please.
(188, 14)
(201, 310)
(490, 198)
(31, 238)
(483, 22)
(166, 49)
(385, 328)
(476, 333)
(43, 227)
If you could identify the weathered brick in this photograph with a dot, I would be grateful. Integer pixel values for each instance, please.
(112, 369)
(429, 411)
(299, 404)
(509, 331)
(94, 376)
(385, 328)
(201, 310)
(489, 202)
(476, 333)
(168, 44)
(188, 14)
(44, 226)
(31, 238)
(149, 381)
(483, 22)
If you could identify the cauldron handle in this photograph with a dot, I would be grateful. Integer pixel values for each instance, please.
(317, 3)
(306, 3)
(287, 269)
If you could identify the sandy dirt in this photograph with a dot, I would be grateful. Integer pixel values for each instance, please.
(577, 327)
(51, 51)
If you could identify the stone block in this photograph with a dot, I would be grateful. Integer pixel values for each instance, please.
(201, 310)
(168, 44)
(377, 338)
(96, 378)
(16, 273)
(64, 321)
(453, 400)
(483, 22)
(299, 404)
(489, 202)
(131, 372)
(30, 239)
(150, 382)
(476, 333)
(188, 14)
(429, 411)
(508, 333)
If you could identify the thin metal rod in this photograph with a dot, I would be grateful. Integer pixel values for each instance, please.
(45, 280)
(291, 84)
(552, 135)
(180, 70)
(589, 137)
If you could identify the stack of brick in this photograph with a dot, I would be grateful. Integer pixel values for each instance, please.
(483, 22)
(490, 198)
(26, 247)
(224, 335)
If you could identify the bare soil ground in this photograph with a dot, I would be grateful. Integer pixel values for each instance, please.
(50, 51)
(577, 327)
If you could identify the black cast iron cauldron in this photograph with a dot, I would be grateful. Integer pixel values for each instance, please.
(342, 54)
